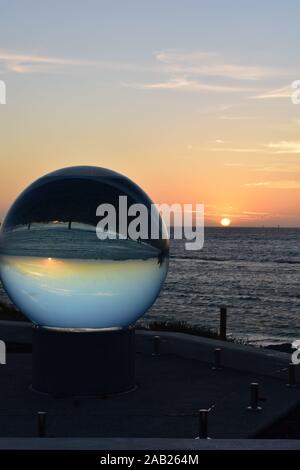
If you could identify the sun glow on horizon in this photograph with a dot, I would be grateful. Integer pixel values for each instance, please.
(225, 222)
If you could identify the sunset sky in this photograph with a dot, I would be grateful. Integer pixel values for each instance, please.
(189, 98)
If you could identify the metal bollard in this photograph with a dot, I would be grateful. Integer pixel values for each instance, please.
(254, 391)
(203, 424)
(217, 359)
(156, 346)
(41, 423)
(223, 323)
(292, 375)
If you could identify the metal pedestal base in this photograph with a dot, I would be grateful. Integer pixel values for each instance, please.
(83, 362)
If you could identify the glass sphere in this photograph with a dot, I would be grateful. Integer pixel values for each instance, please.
(65, 266)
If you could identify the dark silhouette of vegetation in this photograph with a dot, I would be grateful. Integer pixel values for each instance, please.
(179, 327)
(9, 312)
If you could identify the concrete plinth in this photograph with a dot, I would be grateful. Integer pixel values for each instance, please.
(82, 362)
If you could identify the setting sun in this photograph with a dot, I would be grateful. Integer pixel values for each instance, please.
(225, 222)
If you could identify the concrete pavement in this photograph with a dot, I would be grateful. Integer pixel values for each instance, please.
(170, 390)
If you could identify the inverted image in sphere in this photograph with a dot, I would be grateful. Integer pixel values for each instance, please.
(62, 269)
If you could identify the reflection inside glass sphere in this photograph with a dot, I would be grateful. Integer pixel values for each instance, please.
(59, 273)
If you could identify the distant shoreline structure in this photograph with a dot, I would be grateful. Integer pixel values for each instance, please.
(232, 226)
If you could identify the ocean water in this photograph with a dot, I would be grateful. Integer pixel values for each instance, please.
(254, 272)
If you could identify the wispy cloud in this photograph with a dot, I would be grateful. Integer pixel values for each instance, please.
(259, 183)
(283, 92)
(24, 63)
(271, 148)
(210, 64)
(205, 71)
(225, 117)
(236, 149)
(29, 63)
(236, 165)
(195, 71)
(274, 168)
(185, 84)
(281, 184)
(279, 169)
(175, 56)
(255, 213)
(244, 216)
(284, 146)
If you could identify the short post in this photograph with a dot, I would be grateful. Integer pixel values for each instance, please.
(291, 375)
(41, 423)
(217, 359)
(156, 346)
(203, 424)
(223, 323)
(254, 391)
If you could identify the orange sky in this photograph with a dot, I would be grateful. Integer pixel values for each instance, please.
(191, 116)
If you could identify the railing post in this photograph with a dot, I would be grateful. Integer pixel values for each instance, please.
(156, 346)
(41, 423)
(254, 397)
(203, 424)
(291, 375)
(217, 359)
(223, 323)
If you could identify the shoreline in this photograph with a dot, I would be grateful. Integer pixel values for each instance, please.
(8, 313)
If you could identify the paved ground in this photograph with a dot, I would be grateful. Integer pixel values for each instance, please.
(171, 389)
(97, 445)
